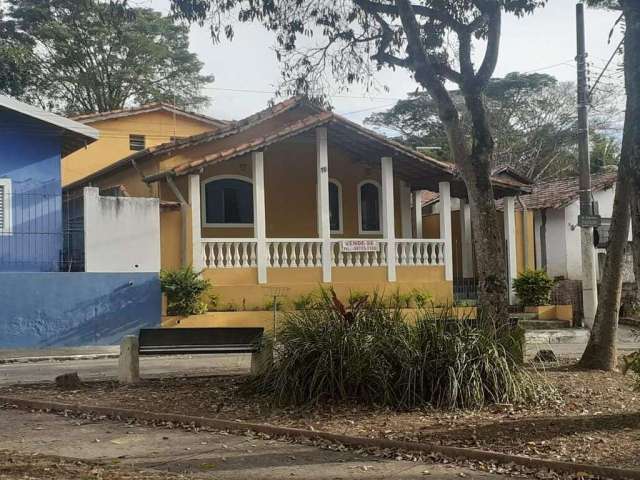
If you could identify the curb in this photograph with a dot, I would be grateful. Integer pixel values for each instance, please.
(58, 358)
(217, 424)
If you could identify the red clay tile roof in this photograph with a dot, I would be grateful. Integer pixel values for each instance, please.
(560, 193)
(149, 107)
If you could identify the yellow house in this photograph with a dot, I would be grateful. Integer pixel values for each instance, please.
(294, 197)
(133, 129)
(516, 222)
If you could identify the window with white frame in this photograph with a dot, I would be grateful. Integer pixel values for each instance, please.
(335, 206)
(369, 202)
(5, 206)
(227, 201)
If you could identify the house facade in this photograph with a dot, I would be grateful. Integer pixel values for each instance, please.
(32, 143)
(125, 131)
(294, 197)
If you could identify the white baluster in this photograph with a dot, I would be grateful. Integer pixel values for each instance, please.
(383, 254)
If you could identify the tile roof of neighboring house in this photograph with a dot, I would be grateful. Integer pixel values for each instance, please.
(562, 192)
(147, 108)
(509, 172)
(75, 135)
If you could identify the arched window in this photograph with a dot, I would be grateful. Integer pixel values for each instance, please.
(369, 207)
(227, 201)
(335, 206)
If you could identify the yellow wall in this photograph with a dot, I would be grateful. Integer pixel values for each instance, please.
(113, 144)
(237, 288)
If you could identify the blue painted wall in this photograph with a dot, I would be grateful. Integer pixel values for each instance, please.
(30, 157)
(75, 309)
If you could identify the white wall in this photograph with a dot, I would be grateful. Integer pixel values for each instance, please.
(564, 255)
(122, 234)
(556, 242)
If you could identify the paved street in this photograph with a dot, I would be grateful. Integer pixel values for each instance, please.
(204, 454)
(107, 368)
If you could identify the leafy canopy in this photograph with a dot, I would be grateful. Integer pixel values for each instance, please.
(83, 56)
(350, 39)
(533, 119)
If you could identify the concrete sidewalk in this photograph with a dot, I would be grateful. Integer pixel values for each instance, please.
(23, 355)
(214, 455)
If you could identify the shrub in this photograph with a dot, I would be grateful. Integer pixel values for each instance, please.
(421, 299)
(367, 353)
(304, 301)
(400, 300)
(533, 287)
(184, 289)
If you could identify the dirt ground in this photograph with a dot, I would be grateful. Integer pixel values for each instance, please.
(596, 418)
(14, 466)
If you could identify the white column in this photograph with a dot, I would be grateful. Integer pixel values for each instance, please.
(405, 210)
(417, 212)
(322, 191)
(196, 222)
(510, 242)
(466, 241)
(388, 217)
(259, 220)
(444, 189)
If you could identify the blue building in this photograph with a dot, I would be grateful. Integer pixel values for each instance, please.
(32, 143)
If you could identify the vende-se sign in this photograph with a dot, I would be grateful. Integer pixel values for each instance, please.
(359, 246)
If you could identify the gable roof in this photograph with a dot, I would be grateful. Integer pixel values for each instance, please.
(560, 193)
(148, 108)
(507, 171)
(75, 135)
(359, 141)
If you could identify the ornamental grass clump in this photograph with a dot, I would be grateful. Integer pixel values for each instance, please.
(367, 353)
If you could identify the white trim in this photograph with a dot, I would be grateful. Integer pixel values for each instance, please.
(360, 229)
(203, 203)
(7, 228)
(340, 216)
(48, 117)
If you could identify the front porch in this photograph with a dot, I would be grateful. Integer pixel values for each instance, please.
(329, 204)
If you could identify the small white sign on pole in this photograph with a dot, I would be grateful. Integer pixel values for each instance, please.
(359, 246)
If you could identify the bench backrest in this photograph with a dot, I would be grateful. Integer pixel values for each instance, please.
(199, 340)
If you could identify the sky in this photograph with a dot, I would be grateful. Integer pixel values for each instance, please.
(246, 70)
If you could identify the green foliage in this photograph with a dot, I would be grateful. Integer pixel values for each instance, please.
(356, 296)
(269, 304)
(99, 56)
(368, 353)
(184, 290)
(421, 299)
(533, 121)
(304, 301)
(400, 300)
(533, 287)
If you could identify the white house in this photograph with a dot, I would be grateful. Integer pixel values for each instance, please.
(556, 207)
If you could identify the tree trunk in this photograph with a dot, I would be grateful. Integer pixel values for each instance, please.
(601, 353)
(601, 350)
(632, 80)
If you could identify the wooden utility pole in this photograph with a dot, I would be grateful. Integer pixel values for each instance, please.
(586, 220)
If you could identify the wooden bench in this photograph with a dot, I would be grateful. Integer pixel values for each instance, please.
(188, 341)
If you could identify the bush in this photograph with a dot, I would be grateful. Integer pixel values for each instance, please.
(533, 287)
(304, 301)
(367, 353)
(184, 289)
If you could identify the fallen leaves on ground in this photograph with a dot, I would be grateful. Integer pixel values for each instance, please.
(595, 420)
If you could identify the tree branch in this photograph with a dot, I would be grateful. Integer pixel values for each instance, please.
(490, 60)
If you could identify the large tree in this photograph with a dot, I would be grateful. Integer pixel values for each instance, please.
(601, 350)
(534, 121)
(82, 56)
(435, 40)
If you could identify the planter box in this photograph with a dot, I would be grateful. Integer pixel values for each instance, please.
(552, 312)
(264, 318)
